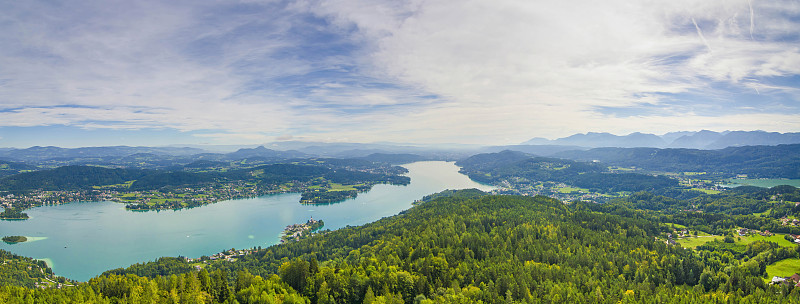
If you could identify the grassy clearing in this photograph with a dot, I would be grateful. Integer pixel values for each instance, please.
(706, 191)
(677, 226)
(692, 242)
(340, 187)
(571, 190)
(777, 238)
(762, 213)
(783, 268)
(693, 173)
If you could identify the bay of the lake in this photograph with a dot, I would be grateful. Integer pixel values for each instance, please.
(81, 240)
(764, 182)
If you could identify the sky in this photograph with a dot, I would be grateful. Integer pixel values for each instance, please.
(106, 72)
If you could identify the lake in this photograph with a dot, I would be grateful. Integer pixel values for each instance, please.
(765, 183)
(81, 240)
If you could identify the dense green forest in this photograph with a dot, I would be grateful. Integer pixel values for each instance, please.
(85, 177)
(69, 178)
(507, 165)
(10, 168)
(13, 214)
(326, 197)
(24, 272)
(461, 249)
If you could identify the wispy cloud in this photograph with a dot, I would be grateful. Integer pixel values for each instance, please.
(700, 33)
(425, 71)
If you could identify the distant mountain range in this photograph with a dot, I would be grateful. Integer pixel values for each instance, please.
(37, 153)
(13, 161)
(708, 140)
(764, 161)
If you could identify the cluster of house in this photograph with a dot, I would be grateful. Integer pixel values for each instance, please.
(520, 186)
(676, 233)
(38, 198)
(295, 232)
(787, 221)
(793, 280)
(795, 238)
(51, 284)
(204, 195)
(682, 233)
(691, 182)
(745, 231)
(227, 255)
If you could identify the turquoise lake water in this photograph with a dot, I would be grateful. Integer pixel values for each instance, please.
(81, 240)
(766, 183)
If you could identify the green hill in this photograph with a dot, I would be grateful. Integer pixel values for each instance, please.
(69, 178)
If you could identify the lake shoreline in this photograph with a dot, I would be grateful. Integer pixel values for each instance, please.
(85, 239)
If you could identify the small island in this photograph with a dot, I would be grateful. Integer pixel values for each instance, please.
(14, 239)
(13, 214)
(326, 197)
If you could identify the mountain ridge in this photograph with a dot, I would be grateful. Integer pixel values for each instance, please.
(703, 139)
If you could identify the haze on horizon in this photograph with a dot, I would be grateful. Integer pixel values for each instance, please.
(92, 73)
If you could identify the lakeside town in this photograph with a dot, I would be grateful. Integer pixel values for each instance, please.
(175, 198)
(296, 232)
(144, 199)
(291, 233)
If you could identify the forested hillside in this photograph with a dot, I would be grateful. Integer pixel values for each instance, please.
(69, 178)
(86, 177)
(494, 168)
(490, 249)
(17, 270)
(757, 161)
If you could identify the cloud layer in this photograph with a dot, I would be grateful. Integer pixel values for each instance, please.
(410, 71)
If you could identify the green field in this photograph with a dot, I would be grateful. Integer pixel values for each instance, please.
(571, 190)
(706, 191)
(692, 242)
(761, 213)
(340, 187)
(783, 268)
(677, 226)
(777, 238)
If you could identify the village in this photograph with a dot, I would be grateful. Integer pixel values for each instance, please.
(229, 255)
(291, 233)
(36, 271)
(560, 191)
(143, 199)
(793, 280)
(683, 233)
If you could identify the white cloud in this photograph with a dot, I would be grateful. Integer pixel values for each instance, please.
(427, 71)
(543, 67)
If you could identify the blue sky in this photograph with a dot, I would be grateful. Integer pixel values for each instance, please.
(91, 73)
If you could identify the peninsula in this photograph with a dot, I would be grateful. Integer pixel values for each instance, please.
(296, 232)
(327, 181)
